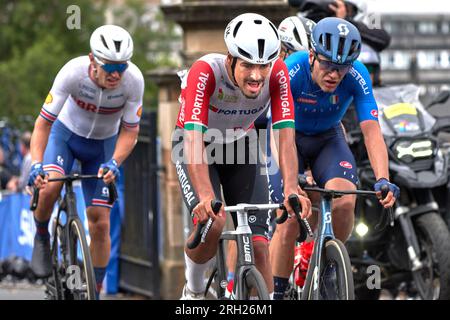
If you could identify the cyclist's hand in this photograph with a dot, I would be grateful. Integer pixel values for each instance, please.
(305, 204)
(113, 171)
(339, 9)
(203, 211)
(38, 178)
(392, 195)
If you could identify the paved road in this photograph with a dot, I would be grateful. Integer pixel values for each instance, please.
(23, 290)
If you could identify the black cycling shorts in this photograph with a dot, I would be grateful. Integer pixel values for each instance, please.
(242, 178)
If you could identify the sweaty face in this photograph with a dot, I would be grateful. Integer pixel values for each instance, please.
(250, 77)
(324, 75)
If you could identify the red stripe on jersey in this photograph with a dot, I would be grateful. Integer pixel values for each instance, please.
(195, 97)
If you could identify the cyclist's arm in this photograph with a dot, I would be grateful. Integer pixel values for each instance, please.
(39, 139)
(200, 86)
(131, 117)
(376, 148)
(49, 112)
(367, 111)
(283, 120)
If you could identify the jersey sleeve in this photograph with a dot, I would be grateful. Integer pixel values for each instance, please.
(133, 106)
(365, 104)
(200, 85)
(58, 93)
(282, 104)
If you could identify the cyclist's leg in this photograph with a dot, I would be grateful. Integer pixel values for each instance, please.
(335, 168)
(246, 182)
(92, 153)
(198, 259)
(58, 160)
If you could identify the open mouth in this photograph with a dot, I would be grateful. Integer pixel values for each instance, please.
(330, 83)
(253, 86)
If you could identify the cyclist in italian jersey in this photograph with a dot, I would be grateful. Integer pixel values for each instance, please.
(214, 143)
(92, 98)
(324, 82)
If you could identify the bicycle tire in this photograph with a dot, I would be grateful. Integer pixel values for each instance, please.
(336, 254)
(53, 285)
(87, 270)
(253, 279)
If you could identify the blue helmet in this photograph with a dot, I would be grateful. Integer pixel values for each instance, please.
(337, 40)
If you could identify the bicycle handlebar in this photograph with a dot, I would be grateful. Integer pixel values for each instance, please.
(305, 228)
(339, 193)
(112, 190)
(203, 228)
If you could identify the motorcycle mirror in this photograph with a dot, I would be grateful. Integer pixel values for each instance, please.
(440, 98)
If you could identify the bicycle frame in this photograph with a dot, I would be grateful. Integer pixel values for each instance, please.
(325, 233)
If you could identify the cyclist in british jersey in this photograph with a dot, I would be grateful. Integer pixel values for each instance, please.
(214, 143)
(92, 97)
(324, 82)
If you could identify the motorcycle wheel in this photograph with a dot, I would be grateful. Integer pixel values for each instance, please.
(433, 280)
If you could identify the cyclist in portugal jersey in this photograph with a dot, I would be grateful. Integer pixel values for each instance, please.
(92, 97)
(324, 81)
(215, 144)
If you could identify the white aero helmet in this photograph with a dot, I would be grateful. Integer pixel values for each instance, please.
(295, 32)
(253, 38)
(112, 43)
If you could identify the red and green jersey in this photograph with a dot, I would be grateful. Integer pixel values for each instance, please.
(211, 103)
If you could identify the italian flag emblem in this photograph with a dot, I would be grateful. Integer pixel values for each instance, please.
(334, 99)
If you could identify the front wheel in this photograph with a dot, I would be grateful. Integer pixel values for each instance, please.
(253, 286)
(81, 279)
(335, 277)
(433, 280)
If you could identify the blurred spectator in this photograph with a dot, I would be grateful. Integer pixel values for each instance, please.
(353, 11)
(6, 178)
(26, 162)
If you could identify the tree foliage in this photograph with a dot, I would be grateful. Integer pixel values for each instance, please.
(35, 42)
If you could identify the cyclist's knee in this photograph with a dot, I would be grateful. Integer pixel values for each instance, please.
(344, 206)
(288, 230)
(48, 196)
(99, 229)
(98, 221)
(261, 250)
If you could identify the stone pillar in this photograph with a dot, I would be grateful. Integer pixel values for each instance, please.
(203, 24)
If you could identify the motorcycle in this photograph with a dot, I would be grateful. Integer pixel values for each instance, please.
(414, 254)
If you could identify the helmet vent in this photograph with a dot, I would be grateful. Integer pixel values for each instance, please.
(258, 21)
(274, 30)
(238, 25)
(354, 47)
(273, 55)
(327, 43)
(104, 41)
(297, 36)
(245, 54)
(261, 43)
(117, 44)
(341, 46)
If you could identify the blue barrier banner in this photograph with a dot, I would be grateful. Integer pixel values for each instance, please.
(17, 227)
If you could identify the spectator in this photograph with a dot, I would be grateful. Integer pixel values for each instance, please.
(351, 10)
(26, 162)
(5, 175)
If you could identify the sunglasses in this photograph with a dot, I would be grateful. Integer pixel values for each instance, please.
(112, 67)
(331, 66)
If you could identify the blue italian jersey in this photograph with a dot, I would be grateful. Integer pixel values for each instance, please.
(317, 111)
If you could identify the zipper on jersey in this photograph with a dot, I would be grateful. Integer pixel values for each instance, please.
(96, 114)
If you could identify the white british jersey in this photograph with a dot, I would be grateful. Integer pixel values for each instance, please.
(88, 110)
(210, 100)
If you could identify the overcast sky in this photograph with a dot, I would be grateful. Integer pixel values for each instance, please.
(409, 6)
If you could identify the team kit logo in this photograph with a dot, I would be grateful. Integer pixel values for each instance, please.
(345, 164)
